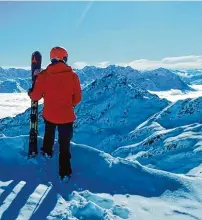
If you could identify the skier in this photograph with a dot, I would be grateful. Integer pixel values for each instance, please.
(60, 88)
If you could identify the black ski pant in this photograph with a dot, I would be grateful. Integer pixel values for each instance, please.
(65, 134)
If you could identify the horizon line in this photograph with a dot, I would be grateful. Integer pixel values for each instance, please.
(179, 62)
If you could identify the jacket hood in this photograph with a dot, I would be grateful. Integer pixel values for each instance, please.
(58, 67)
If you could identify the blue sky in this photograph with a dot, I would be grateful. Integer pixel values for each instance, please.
(93, 32)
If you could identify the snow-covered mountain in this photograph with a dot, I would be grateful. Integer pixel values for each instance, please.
(161, 80)
(108, 104)
(183, 112)
(89, 73)
(13, 73)
(15, 85)
(156, 80)
(14, 80)
(193, 76)
(169, 140)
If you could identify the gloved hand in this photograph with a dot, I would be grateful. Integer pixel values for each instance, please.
(36, 72)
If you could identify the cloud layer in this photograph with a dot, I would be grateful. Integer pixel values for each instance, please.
(183, 62)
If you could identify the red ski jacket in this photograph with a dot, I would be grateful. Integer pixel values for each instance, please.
(60, 87)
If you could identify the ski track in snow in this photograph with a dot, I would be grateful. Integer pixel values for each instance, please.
(34, 201)
(8, 201)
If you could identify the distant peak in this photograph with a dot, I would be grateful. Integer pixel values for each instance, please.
(162, 69)
(89, 67)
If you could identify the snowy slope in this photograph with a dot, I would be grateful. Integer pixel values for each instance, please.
(192, 76)
(182, 112)
(25, 83)
(15, 85)
(176, 150)
(14, 80)
(170, 140)
(25, 191)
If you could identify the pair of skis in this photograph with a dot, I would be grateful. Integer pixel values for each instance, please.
(36, 60)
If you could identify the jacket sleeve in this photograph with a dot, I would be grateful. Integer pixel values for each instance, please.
(76, 90)
(38, 90)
